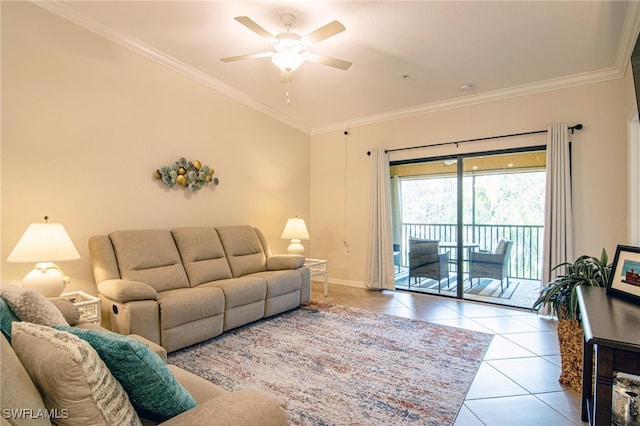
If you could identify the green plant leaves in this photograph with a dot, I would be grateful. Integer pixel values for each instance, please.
(560, 293)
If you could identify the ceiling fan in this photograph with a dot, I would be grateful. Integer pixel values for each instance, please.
(291, 50)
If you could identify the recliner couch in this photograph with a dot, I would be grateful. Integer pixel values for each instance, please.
(37, 376)
(183, 286)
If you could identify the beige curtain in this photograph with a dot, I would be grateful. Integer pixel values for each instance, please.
(558, 223)
(379, 273)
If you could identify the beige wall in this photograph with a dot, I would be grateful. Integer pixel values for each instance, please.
(85, 122)
(599, 165)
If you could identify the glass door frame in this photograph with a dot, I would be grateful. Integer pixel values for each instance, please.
(459, 158)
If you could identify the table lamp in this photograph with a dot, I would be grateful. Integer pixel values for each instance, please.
(44, 243)
(295, 230)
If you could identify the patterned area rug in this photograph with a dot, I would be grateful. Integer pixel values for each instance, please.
(336, 365)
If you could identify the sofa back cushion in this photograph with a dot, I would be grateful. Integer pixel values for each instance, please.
(103, 258)
(202, 255)
(243, 249)
(18, 391)
(149, 256)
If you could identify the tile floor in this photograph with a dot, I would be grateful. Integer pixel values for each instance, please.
(517, 383)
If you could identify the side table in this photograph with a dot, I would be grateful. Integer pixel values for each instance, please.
(319, 267)
(611, 332)
(89, 306)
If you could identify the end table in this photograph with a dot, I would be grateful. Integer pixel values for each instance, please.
(319, 267)
(89, 306)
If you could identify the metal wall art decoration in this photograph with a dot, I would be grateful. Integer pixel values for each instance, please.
(189, 175)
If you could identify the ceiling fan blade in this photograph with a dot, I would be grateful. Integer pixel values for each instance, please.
(324, 32)
(249, 23)
(329, 61)
(248, 56)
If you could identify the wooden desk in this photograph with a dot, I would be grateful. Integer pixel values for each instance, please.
(611, 327)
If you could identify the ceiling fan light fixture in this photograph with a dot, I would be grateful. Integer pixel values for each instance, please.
(288, 60)
(291, 49)
(288, 41)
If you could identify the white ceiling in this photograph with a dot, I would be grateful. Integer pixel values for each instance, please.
(500, 48)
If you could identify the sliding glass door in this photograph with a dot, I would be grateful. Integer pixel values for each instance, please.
(427, 227)
(471, 226)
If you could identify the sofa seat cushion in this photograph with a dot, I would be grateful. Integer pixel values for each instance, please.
(153, 390)
(241, 291)
(202, 254)
(183, 306)
(280, 282)
(149, 256)
(243, 249)
(72, 377)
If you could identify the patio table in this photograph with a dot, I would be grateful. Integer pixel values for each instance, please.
(467, 246)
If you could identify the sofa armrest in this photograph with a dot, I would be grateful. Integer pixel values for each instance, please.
(126, 291)
(284, 261)
(241, 408)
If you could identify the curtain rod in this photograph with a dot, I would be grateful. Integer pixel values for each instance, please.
(572, 128)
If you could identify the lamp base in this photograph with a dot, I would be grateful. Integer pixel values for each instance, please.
(295, 247)
(46, 278)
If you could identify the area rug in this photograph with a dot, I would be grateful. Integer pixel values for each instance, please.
(336, 365)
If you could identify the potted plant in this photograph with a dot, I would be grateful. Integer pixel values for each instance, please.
(560, 296)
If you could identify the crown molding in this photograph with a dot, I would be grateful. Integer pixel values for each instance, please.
(68, 13)
(628, 37)
(496, 95)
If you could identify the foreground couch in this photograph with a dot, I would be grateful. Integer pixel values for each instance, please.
(50, 375)
(183, 286)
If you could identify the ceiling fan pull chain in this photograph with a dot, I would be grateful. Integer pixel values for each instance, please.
(287, 92)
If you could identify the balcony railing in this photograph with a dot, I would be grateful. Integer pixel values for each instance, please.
(526, 254)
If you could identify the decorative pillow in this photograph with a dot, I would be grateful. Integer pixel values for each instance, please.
(501, 247)
(69, 311)
(6, 318)
(31, 306)
(72, 378)
(151, 386)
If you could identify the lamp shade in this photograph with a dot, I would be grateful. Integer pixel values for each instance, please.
(295, 229)
(44, 242)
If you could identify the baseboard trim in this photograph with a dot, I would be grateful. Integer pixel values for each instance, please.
(347, 283)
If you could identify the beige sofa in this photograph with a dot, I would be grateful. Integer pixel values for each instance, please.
(23, 402)
(183, 286)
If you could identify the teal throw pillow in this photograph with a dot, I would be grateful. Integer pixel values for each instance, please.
(152, 388)
(6, 318)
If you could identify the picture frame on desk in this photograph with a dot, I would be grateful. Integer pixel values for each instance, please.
(624, 279)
